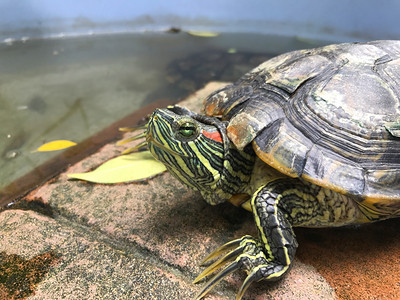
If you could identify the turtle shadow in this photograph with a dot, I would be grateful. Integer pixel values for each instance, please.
(198, 217)
(351, 239)
(352, 257)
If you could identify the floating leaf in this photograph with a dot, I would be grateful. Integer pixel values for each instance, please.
(203, 33)
(55, 145)
(125, 168)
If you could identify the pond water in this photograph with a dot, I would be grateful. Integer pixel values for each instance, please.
(71, 88)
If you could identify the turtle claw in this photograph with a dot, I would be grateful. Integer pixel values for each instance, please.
(234, 266)
(216, 265)
(244, 247)
(249, 256)
(135, 148)
(224, 248)
(134, 138)
(134, 128)
(252, 277)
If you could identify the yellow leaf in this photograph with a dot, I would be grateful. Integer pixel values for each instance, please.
(55, 145)
(203, 33)
(125, 168)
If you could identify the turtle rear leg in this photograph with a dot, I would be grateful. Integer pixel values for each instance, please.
(270, 256)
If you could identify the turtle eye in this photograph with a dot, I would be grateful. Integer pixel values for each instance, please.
(187, 130)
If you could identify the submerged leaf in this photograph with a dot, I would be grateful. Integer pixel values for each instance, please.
(203, 33)
(55, 145)
(125, 168)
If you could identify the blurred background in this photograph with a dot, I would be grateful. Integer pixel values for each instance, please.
(68, 69)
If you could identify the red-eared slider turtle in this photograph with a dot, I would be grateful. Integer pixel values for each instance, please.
(308, 138)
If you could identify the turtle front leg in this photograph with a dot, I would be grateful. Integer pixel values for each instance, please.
(267, 258)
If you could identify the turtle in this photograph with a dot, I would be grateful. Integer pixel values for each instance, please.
(308, 138)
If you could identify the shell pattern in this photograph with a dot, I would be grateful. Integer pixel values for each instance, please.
(330, 116)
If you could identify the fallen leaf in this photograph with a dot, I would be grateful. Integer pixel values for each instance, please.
(203, 33)
(55, 145)
(125, 168)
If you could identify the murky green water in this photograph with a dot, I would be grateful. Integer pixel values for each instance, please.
(71, 88)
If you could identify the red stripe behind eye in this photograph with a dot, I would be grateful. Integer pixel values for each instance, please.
(215, 135)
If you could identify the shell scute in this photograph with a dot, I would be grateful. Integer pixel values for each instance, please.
(323, 115)
(355, 101)
(333, 172)
(247, 123)
(290, 77)
(385, 182)
(284, 147)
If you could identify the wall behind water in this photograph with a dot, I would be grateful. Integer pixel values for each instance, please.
(323, 19)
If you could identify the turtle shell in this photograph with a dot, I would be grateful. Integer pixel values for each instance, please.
(328, 115)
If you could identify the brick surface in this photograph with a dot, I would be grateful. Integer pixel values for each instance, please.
(90, 266)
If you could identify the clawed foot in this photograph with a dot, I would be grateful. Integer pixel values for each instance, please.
(246, 254)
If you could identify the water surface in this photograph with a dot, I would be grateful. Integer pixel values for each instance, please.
(71, 88)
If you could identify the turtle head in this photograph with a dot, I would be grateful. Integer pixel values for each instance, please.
(195, 149)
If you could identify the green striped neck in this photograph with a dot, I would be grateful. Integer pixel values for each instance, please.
(196, 150)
